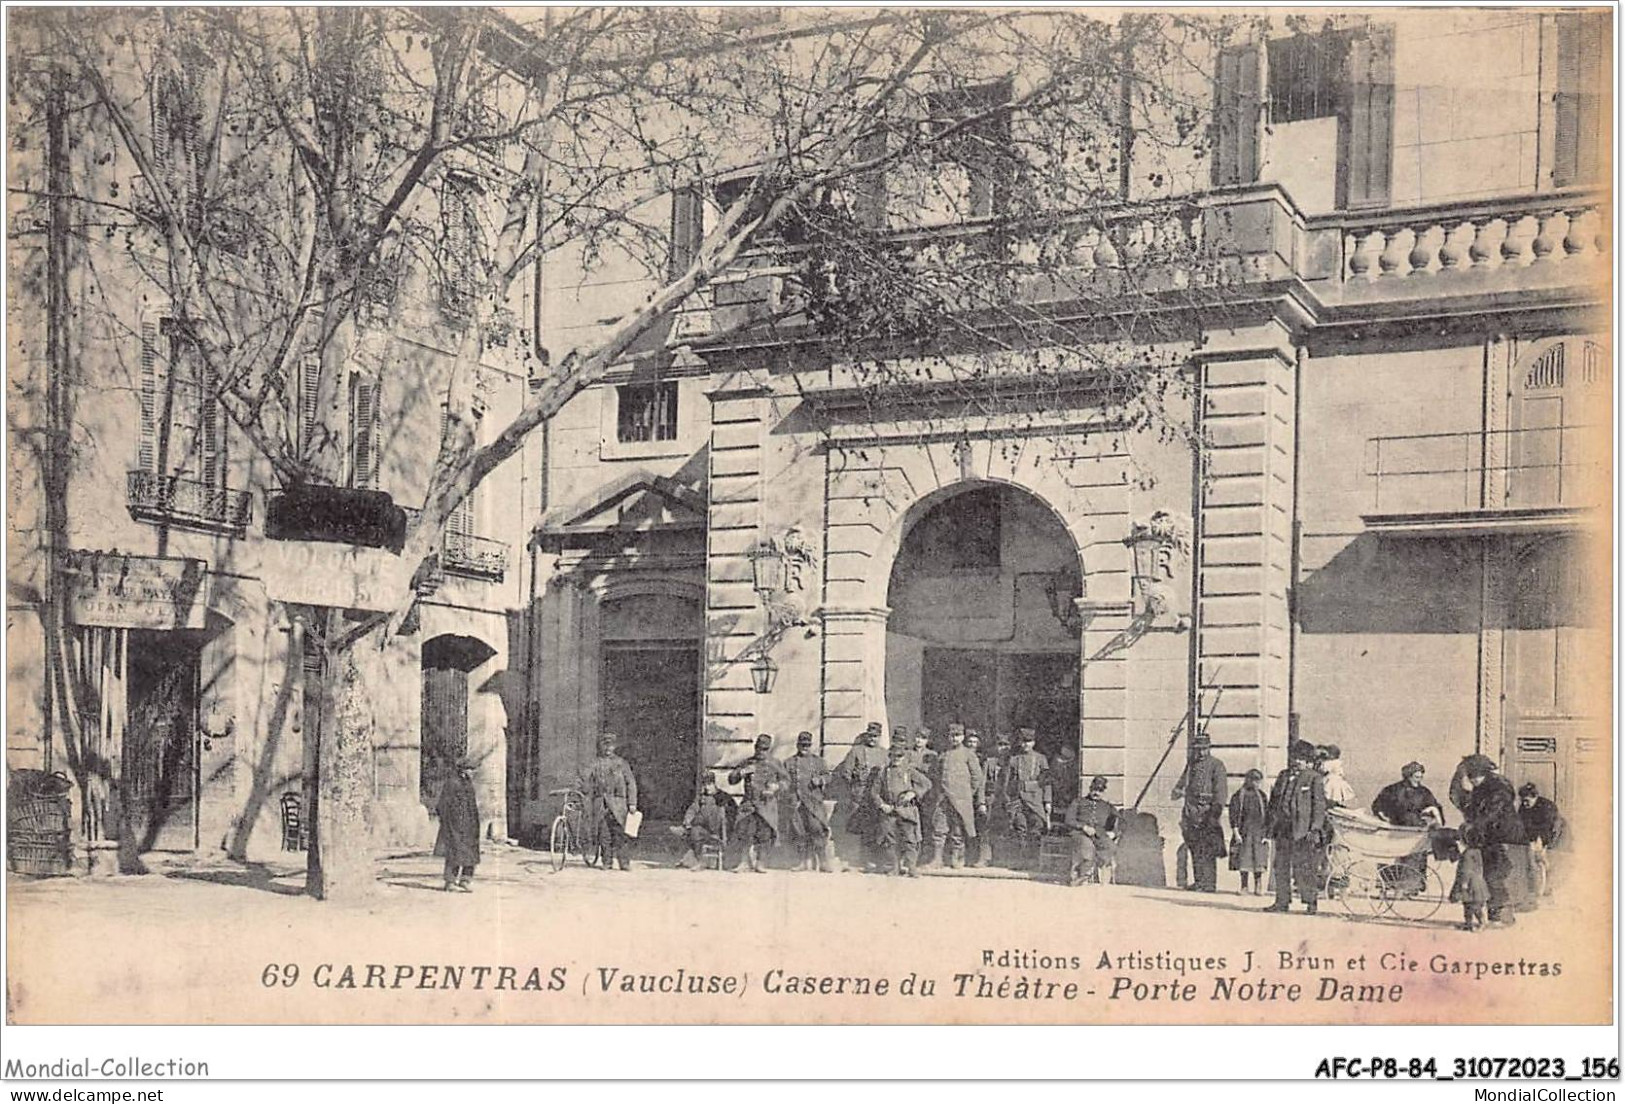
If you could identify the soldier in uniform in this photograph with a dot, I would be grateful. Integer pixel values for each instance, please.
(1297, 819)
(921, 755)
(896, 795)
(990, 770)
(961, 789)
(1093, 822)
(705, 823)
(1204, 787)
(1024, 788)
(804, 801)
(765, 780)
(854, 775)
(612, 793)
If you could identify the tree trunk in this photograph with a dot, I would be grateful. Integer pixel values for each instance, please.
(341, 863)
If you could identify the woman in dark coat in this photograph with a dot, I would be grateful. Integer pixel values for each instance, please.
(1407, 801)
(459, 840)
(1493, 828)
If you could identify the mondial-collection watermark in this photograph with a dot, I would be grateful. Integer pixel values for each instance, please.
(84, 1069)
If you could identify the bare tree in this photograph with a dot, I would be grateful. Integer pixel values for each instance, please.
(949, 198)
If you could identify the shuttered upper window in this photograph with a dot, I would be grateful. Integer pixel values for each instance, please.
(183, 431)
(687, 230)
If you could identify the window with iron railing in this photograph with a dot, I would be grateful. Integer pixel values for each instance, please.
(646, 412)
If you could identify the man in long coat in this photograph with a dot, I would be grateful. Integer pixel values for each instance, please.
(961, 789)
(612, 793)
(1024, 788)
(765, 780)
(854, 774)
(1204, 788)
(459, 840)
(804, 803)
(896, 794)
(990, 781)
(1297, 816)
(1494, 828)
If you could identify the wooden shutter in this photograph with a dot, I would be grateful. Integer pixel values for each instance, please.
(1366, 130)
(309, 411)
(147, 453)
(1582, 81)
(687, 230)
(363, 433)
(460, 522)
(1237, 114)
(211, 427)
(871, 191)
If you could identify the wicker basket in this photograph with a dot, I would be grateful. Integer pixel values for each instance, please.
(39, 814)
(39, 854)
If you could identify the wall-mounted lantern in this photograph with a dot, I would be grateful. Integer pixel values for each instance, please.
(763, 674)
(782, 571)
(1063, 589)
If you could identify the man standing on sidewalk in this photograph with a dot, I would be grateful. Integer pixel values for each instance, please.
(961, 790)
(896, 795)
(1205, 788)
(765, 780)
(459, 813)
(1297, 818)
(809, 816)
(612, 793)
(854, 774)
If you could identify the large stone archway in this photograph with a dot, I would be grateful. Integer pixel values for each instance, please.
(876, 490)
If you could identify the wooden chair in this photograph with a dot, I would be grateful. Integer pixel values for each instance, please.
(715, 853)
(294, 833)
(1055, 856)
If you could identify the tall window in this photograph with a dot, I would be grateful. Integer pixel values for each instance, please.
(974, 137)
(1343, 74)
(183, 430)
(459, 246)
(687, 230)
(646, 412)
(1583, 41)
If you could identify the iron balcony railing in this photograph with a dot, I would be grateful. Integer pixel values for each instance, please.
(1554, 467)
(476, 557)
(467, 555)
(193, 503)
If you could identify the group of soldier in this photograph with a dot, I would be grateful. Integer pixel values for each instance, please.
(885, 804)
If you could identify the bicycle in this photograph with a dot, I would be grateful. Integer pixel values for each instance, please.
(569, 832)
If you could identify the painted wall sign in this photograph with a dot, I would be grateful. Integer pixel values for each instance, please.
(112, 590)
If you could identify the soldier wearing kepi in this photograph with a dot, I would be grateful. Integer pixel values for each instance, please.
(854, 775)
(896, 795)
(1024, 787)
(612, 793)
(961, 790)
(765, 780)
(1297, 820)
(1204, 787)
(1093, 821)
(809, 816)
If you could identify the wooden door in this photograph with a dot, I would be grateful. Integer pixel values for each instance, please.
(651, 700)
(158, 782)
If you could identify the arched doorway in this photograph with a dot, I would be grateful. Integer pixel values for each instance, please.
(447, 661)
(981, 630)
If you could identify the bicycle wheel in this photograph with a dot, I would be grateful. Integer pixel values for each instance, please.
(1412, 894)
(1362, 893)
(558, 842)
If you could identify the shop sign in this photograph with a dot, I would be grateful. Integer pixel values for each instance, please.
(113, 590)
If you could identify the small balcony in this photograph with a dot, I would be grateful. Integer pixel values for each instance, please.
(188, 503)
(473, 557)
(1443, 484)
(465, 555)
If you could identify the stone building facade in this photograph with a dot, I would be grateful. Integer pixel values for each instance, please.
(1396, 502)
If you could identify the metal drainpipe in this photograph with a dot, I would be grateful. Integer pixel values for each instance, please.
(1295, 550)
(1193, 696)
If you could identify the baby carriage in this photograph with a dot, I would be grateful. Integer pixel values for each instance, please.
(1381, 870)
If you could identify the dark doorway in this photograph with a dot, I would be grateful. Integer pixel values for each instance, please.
(447, 661)
(158, 773)
(994, 692)
(651, 697)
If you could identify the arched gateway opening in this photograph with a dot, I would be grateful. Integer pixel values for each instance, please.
(982, 629)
